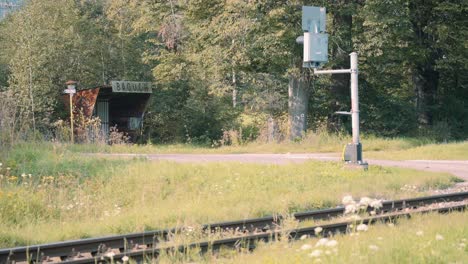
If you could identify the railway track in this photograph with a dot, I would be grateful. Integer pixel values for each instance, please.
(150, 244)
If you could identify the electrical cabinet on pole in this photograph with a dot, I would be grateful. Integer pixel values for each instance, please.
(315, 41)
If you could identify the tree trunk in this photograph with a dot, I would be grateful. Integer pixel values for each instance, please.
(272, 129)
(298, 106)
(234, 89)
(425, 83)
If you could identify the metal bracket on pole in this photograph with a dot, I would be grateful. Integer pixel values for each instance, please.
(317, 72)
(343, 113)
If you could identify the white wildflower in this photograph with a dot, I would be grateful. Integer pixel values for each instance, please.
(321, 242)
(328, 252)
(419, 233)
(362, 227)
(376, 204)
(365, 201)
(350, 208)
(317, 230)
(1, 164)
(125, 258)
(462, 245)
(331, 243)
(306, 247)
(373, 247)
(348, 199)
(110, 254)
(23, 175)
(391, 224)
(439, 237)
(304, 237)
(379, 238)
(372, 212)
(316, 253)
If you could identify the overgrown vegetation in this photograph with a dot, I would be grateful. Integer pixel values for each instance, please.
(67, 195)
(423, 239)
(222, 68)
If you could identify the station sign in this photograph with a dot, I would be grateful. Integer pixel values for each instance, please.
(69, 91)
(131, 87)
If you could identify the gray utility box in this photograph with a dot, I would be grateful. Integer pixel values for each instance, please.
(315, 49)
(353, 153)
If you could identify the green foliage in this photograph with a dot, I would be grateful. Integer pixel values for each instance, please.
(216, 60)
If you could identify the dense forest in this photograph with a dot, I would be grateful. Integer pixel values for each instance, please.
(231, 70)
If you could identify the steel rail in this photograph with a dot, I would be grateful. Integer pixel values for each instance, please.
(151, 239)
(249, 241)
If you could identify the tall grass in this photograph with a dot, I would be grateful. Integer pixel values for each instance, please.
(72, 196)
(312, 142)
(423, 239)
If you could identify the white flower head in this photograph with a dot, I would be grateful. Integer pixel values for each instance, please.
(1, 164)
(321, 242)
(373, 247)
(348, 199)
(331, 243)
(439, 237)
(362, 227)
(316, 253)
(125, 258)
(419, 233)
(376, 204)
(317, 230)
(304, 237)
(462, 245)
(350, 209)
(365, 201)
(306, 247)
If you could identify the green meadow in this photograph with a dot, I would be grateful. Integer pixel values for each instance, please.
(50, 193)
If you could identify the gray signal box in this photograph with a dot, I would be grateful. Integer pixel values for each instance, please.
(315, 39)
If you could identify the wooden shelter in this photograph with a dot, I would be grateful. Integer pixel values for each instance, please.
(121, 104)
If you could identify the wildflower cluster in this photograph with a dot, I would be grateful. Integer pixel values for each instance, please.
(351, 206)
(7, 177)
(324, 246)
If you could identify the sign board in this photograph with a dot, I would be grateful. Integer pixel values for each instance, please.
(131, 87)
(69, 91)
(314, 19)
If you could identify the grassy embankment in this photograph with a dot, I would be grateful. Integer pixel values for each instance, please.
(423, 239)
(71, 196)
(374, 148)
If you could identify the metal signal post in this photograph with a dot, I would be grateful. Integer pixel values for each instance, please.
(352, 152)
(315, 41)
